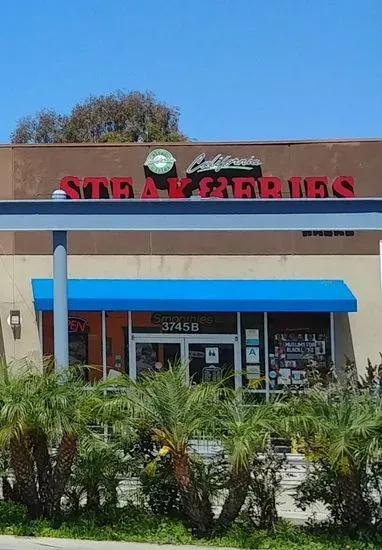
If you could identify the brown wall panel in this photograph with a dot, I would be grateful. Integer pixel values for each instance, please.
(6, 186)
(86, 243)
(37, 171)
(196, 243)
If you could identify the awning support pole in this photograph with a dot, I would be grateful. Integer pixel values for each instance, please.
(60, 294)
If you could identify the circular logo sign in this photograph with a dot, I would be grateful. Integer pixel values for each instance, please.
(160, 161)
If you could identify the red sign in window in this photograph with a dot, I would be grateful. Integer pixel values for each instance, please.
(75, 324)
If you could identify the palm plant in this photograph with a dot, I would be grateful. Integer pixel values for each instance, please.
(264, 488)
(342, 432)
(174, 413)
(98, 469)
(158, 485)
(41, 410)
(244, 432)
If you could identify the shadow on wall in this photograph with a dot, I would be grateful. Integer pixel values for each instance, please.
(2, 347)
(343, 339)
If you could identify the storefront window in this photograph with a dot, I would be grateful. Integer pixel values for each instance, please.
(206, 342)
(184, 323)
(117, 343)
(253, 355)
(85, 341)
(296, 340)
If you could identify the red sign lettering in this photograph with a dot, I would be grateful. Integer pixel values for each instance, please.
(150, 190)
(295, 187)
(122, 188)
(71, 185)
(316, 187)
(76, 324)
(343, 186)
(97, 186)
(177, 187)
(213, 185)
(244, 188)
(270, 188)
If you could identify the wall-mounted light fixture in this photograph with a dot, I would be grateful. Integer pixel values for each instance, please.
(14, 321)
(15, 318)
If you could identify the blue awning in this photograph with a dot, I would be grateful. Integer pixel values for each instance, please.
(212, 295)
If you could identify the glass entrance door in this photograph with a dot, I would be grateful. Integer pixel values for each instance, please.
(207, 358)
(212, 359)
(156, 354)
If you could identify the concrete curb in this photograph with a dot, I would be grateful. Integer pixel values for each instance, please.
(32, 543)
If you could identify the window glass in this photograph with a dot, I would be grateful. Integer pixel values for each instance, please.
(252, 352)
(85, 341)
(155, 356)
(117, 352)
(184, 322)
(295, 340)
(209, 362)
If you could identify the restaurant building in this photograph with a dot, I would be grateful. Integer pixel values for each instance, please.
(261, 303)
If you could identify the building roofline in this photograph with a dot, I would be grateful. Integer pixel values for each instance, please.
(198, 143)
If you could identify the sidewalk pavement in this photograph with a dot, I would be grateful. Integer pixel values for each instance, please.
(32, 543)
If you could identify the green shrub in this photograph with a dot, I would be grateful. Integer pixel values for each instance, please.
(131, 524)
(156, 476)
(12, 513)
(97, 471)
(264, 487)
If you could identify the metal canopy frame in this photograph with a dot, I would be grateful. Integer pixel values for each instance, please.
(358, 214)
(60, 216)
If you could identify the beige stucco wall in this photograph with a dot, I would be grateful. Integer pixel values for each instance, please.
(361, 273)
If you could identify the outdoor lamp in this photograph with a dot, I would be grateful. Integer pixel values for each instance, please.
(15, 319)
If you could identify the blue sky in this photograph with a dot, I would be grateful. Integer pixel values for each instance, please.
(237, 69)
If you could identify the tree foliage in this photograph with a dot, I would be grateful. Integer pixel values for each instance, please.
(47, 443)
(43, 413)
(339, 432)
(175, 414)
(98, 469)
(115, 117)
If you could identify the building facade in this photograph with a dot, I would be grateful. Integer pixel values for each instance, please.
(296, 296)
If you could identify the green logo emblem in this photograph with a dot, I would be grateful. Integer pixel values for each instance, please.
(160, 161)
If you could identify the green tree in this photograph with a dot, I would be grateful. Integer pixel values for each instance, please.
(176, 413)
(98, 469)
(42, 410)
(339, 432)
(116, 117)
(244, 432)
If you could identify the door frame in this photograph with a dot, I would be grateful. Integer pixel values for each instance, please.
(216, 339)
(184, 340)
(154, 338)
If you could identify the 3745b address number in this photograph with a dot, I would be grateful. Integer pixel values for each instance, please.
(168, 326)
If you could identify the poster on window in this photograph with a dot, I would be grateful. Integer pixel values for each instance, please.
(212, 355)
(298, 377)
(212, 373)
(298, 346)
(284, 377)
(291, 353)
(299, 349)
(253, 372)
(320, 348)
(252, 337)
(252, 354)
